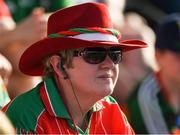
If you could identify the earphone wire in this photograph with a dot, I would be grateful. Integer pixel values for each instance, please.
(61, 91)
(62, 63)
(83, 115)
(64, 100)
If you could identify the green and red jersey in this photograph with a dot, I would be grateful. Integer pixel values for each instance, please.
(41, 110)
(20, 9)
(148, 109)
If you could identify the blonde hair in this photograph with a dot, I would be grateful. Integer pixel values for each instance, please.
(66, 56)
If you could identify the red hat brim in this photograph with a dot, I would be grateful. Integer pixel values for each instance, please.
(31, 62)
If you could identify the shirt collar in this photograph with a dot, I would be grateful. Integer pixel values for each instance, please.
(53, 101)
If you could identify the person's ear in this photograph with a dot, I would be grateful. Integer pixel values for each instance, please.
(62, 69)
(58, 66)
(54, 61)
(159, 56)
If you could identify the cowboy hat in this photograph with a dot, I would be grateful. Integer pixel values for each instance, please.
(79, 26)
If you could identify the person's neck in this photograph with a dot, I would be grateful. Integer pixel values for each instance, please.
(78, 105)
(172, 89)
(79, 109)
(171, 86)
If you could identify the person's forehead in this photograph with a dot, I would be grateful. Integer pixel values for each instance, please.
(177, 54)
(172, 53)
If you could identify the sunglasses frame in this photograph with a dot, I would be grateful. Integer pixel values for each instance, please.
(112, 52)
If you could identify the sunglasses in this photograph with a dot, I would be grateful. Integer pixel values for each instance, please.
(96, 55)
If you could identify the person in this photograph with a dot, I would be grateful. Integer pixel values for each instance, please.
(5, 71)
(6, 127)
(25, 14)
(5, 17)
(5, 66)
(79, 64)
(135, 64)
(14, 39)
(22, 9)
(153, 11)
(154, 106)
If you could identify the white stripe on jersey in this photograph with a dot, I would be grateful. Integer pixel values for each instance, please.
(149, 106)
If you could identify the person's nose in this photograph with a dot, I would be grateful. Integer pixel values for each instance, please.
(108, 62)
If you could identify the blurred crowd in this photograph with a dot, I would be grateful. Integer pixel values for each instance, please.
(148, 89)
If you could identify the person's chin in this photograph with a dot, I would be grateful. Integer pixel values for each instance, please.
(106, 82)
(106, 92)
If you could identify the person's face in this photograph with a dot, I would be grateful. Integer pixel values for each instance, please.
(97, 80)
(169, 64)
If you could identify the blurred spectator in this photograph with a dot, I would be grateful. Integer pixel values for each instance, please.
(13, 42)
(116, 11)
(5, 17)
(5, 70)
(30, 27)
(134, 67)
(5, 126)
(5, 66)
(135, 64)
(167, 6)
(153, 10)
(20, 9)
(154, 106)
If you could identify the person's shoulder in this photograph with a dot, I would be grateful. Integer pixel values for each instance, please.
(148, 88)
(146, 92)
(25, 105)
(111, 108)
(147, 83)
(109, 100)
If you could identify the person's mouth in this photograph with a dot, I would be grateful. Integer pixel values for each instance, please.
(105, 76)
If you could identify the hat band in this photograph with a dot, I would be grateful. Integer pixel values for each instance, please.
(78, 31)
(96, 37)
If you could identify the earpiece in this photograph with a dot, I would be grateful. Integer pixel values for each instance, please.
(62, 69)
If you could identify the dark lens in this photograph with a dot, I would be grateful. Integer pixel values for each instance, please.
(115, 54)
(94, 55)
(97, 55)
